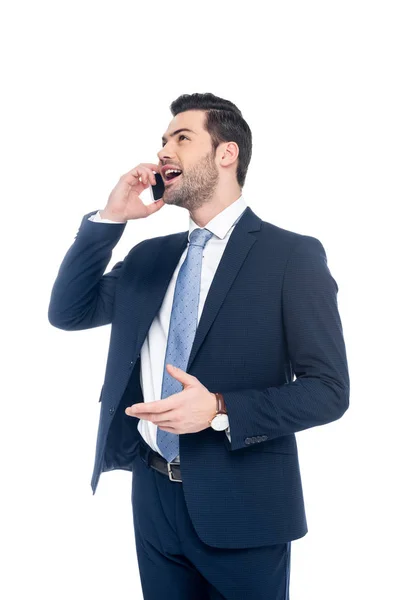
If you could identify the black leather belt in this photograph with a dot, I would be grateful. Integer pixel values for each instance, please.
(158, 462)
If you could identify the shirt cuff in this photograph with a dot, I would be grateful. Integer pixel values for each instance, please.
(97, 219)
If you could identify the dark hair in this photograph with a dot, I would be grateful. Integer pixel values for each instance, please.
(224, 123)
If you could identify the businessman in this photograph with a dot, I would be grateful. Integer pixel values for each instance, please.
(226, 340)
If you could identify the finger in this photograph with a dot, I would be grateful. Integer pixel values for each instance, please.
(154, 206)
(141, 174)
(168, 415)
(151, 177)
(151, 166)
(145, 173)
(133, 176)
(156, 407)
(143, 413)
(168, 421)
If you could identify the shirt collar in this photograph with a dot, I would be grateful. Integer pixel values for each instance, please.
(223, 221)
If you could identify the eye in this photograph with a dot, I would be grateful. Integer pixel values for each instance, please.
(181, 136)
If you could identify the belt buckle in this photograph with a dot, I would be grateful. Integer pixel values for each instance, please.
(170, 474)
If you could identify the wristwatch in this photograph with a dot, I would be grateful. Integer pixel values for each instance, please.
(220, 420)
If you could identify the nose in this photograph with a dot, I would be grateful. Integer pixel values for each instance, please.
(164, 156)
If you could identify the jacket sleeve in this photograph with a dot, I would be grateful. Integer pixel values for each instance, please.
(316, 348)
(82, 297)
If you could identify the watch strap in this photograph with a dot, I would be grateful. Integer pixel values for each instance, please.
(221, 408)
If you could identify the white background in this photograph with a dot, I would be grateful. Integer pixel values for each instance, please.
(86, 89)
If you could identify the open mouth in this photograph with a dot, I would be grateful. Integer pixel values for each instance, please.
(172, 175)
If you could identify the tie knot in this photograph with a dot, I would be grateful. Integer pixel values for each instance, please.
(200, 237)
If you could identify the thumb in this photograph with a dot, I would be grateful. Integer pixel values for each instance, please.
(180, 375)
(155, 206)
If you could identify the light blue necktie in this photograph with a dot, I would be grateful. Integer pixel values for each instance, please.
(182, 329)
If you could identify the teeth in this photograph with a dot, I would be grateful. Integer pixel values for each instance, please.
(168, 171)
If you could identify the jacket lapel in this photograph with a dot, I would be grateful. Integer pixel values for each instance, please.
(165, 262)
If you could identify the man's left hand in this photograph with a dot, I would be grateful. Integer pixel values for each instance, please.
(188, 411)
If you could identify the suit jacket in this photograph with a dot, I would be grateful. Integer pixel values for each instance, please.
(271, 314)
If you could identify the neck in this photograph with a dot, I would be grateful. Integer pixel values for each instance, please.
(203, 214)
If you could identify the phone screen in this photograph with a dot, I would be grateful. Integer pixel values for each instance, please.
(158, 189)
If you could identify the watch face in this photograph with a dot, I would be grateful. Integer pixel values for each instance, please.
(220, 422)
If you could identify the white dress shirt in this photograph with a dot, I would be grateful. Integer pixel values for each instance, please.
(155, 345)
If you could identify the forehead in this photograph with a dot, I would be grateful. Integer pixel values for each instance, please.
(190, 119)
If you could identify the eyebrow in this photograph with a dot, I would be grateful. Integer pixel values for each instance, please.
(163, 139)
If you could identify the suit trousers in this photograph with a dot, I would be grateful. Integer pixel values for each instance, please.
(173, 561)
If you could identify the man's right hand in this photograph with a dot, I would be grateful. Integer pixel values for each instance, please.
(124, 202)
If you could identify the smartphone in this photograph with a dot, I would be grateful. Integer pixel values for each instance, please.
(157, 191)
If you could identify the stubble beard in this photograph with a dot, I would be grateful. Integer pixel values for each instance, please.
(196, 187)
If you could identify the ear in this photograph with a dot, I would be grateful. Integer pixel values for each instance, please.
(229, 153)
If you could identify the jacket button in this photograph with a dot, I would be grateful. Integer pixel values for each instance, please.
(132, 362)
(247, 441)
(112, 410)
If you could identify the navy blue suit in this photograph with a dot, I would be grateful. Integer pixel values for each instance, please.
(271, 313)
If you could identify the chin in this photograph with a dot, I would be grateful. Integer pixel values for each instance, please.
(169, 196)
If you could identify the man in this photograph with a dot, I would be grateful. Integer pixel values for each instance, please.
(209, 328)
